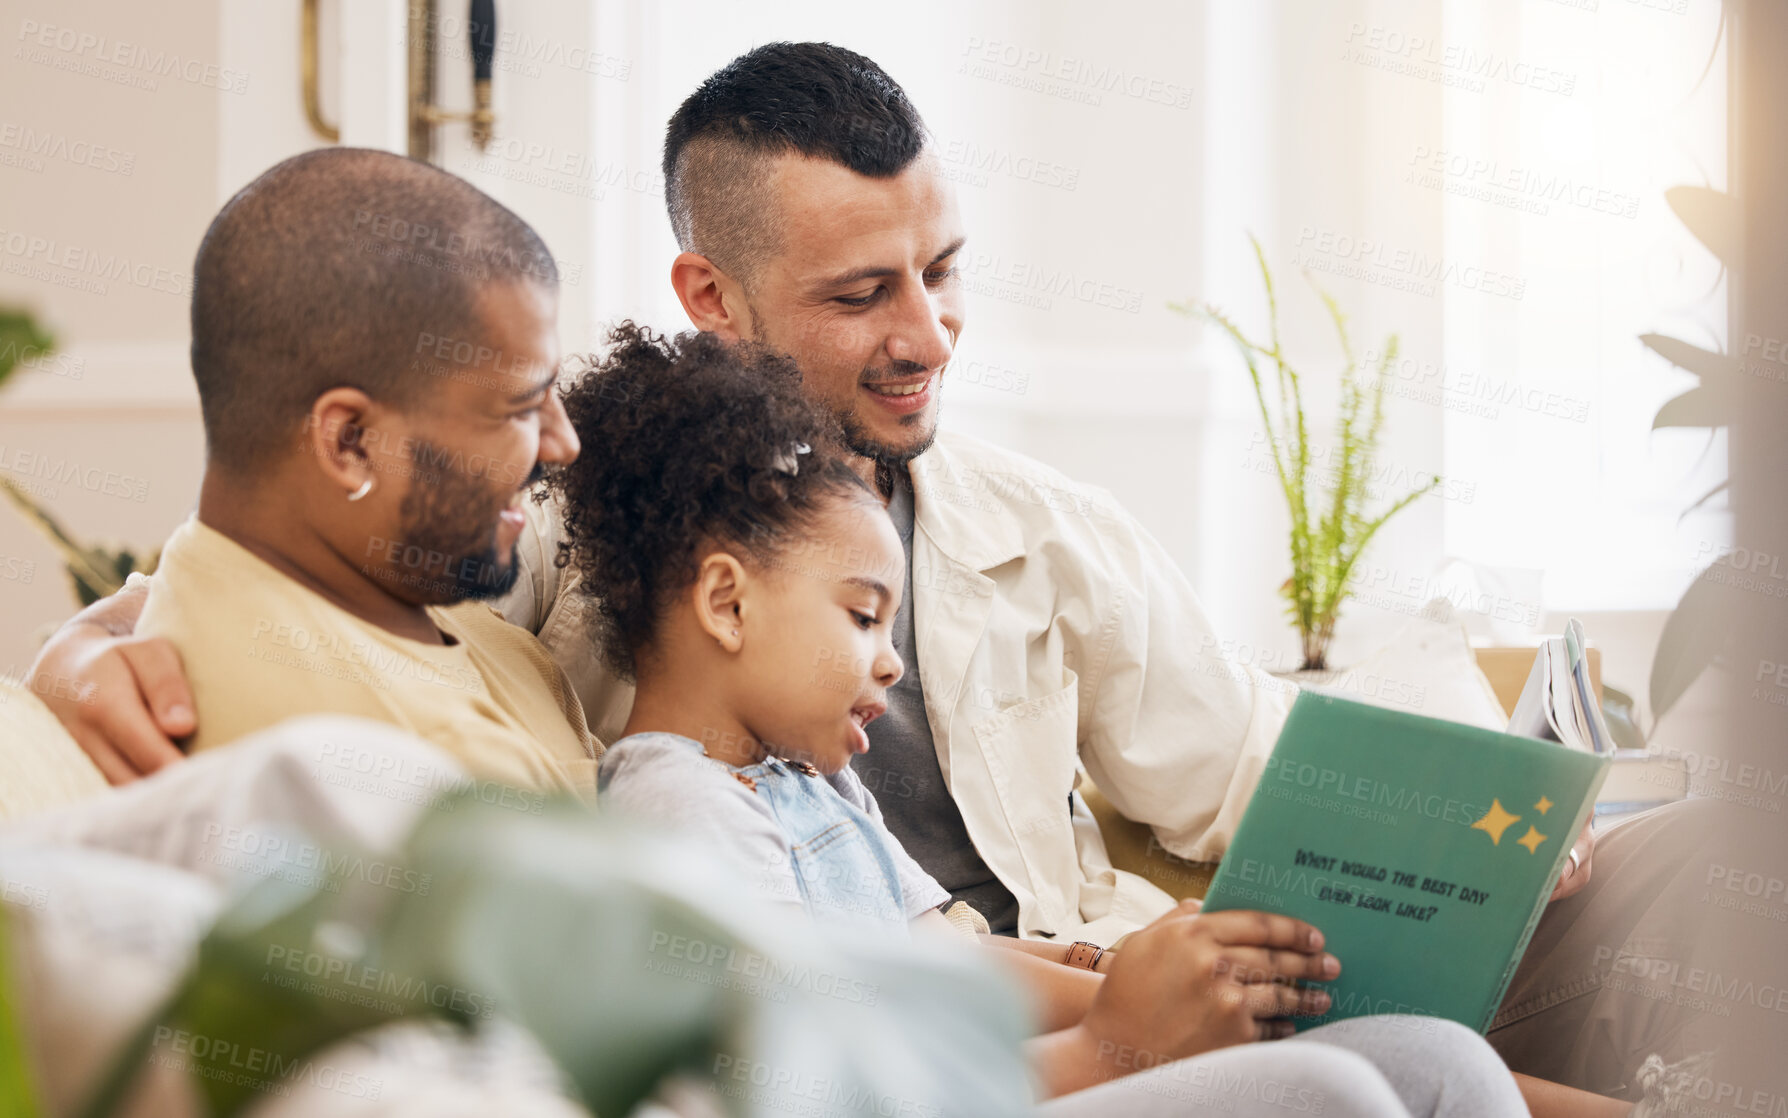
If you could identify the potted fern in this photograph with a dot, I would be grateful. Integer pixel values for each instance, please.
(1330, 526)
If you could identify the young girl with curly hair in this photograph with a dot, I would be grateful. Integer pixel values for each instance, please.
(746, 579)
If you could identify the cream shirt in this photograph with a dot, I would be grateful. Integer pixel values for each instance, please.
(1056, 637)
(259, 648)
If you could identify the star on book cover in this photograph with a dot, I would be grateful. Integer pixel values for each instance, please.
(1425, 850)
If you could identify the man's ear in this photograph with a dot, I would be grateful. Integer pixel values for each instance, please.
(336, 434)
(713, 300)
(719, 591)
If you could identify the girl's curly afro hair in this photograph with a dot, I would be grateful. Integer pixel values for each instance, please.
(687, 440)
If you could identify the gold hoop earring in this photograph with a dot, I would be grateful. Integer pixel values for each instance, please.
(365, 488)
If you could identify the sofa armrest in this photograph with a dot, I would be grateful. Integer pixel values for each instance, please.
(1132, 847)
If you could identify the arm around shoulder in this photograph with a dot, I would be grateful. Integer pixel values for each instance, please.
(123, 698)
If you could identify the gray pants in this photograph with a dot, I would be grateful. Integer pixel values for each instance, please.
(1368, 1067)
(1672, 949)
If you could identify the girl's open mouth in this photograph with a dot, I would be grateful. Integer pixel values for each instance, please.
(861, 717)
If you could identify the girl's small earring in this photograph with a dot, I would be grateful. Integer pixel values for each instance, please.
(365, 488)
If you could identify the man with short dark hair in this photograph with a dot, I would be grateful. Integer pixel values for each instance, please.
(778, 170)
(358, 500)
(811, 99)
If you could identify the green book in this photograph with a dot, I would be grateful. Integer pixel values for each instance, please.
(1424, 850)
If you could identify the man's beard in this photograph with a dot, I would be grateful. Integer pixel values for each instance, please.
(858, 440)
(886, 455)
(450, 517)
(856, 435)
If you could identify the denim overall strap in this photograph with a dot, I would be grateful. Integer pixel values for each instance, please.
(841, 861)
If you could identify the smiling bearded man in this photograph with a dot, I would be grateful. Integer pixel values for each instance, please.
(357, 501)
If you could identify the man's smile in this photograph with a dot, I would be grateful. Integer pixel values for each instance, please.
(903, 397)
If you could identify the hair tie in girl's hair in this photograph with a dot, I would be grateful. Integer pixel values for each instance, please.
(787, 463)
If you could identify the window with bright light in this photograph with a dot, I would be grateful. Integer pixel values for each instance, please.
(1549, 397)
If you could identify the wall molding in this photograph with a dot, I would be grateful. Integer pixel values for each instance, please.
(104, 376)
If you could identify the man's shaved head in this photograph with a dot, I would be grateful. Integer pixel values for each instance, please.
(810, 99)
(325, 272)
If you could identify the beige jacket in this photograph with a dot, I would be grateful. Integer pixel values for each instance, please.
(1056, 635)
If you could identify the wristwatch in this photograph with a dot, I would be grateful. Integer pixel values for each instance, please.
(1084, 955)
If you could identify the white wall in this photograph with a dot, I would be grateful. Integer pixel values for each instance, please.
(114, 415)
